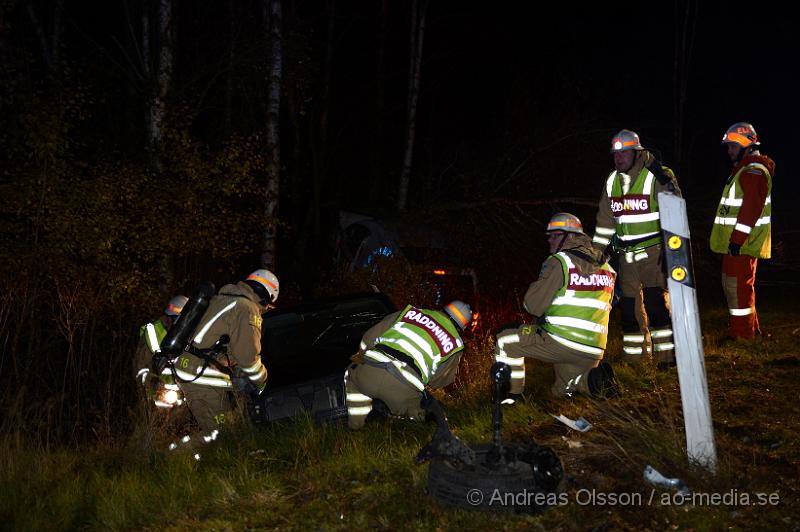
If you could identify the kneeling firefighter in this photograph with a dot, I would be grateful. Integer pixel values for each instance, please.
(401, 355)
(225, 353)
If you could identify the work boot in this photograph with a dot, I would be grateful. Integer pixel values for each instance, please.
(602, 383)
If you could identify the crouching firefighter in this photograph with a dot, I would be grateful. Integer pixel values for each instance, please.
(159, 388)
(401, 355)
(224, 355)
(570, 303)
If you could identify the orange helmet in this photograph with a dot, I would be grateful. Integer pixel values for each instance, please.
(741, 133)
(459, 312)
(175, 305)
(625, 140)
(566, 222)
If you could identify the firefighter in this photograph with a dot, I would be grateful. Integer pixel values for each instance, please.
(162, 388)
(208, 382)
(401, 355)
(628, 220)
(570, 303)
(742, 226)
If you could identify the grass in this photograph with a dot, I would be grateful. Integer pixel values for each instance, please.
(300, 476)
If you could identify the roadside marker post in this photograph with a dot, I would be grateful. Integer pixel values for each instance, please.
(686, 330)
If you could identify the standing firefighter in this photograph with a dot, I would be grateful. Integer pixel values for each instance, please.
(742, 226)
(401, 355)
(570, 303)
(162, 388)
(628, 219)
(207, 383)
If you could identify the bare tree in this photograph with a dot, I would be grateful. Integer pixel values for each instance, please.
(419, 9)
(156, 109)
(49, 41)
(157, 104)
(685, 26)
(273, 19)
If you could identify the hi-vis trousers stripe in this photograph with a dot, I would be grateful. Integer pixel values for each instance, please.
(517, 364)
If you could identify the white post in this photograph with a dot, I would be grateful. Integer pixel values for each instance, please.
(686, 330)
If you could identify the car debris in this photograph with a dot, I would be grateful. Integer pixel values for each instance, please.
(655, 478)
(580, 424)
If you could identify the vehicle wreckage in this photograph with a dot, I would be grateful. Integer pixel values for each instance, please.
(323, 335)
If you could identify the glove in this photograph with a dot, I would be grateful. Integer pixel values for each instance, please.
(243, 384)
(733, 249)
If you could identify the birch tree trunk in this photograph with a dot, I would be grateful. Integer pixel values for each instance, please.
(275, 76)
(157, 106)
(416, 36)
(155, 113)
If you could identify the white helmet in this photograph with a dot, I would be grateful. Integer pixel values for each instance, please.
(625, 140)
(459, 312)
(175, 305)
(266, 279)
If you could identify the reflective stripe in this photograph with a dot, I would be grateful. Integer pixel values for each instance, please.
(637, 218)
(743, 228)
(257, 372)
(604, 231)
(661, 333)
(414, 337)
(632, 350)
(143, 373)
(411, 378)
(507, 339)
(637, 237)
(728, 220)
(576, 346)
(363, 346)
(518, 374)
(601, 240)
(155, 347)
(663, 346)
(732, 202)
(511, 361)
(577, 323)
(740, 311)
(199, 337)
(581, 302)
(161, 404)
(208, 381)
(640, 256)
(633, 337)
(359, 410)
(211, 437)
(358, 397)
(406, 347)
(377, 356)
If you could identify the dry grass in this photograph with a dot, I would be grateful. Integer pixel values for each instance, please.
(299, 475)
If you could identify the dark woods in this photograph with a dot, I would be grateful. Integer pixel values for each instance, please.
(149, 145)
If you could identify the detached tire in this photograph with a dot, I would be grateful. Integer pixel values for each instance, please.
(528, 485)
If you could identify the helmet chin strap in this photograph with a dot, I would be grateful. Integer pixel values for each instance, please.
(564, 236)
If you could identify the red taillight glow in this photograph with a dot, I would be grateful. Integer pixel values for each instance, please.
(439, 272)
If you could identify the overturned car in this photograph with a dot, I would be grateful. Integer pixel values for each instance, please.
(306, 350)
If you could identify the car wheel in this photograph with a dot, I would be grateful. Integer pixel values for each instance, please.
(528, 480)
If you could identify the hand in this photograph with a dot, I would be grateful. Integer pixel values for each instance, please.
(733, 249)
